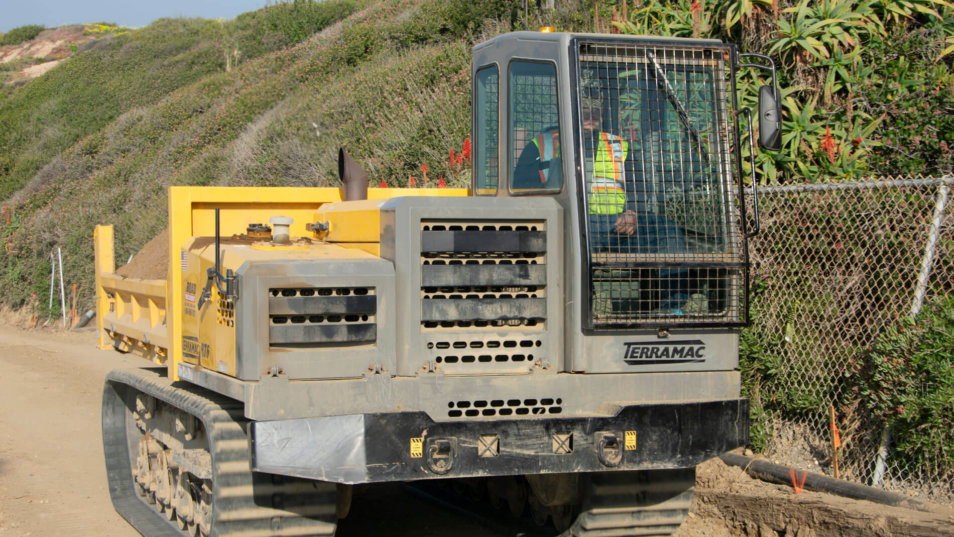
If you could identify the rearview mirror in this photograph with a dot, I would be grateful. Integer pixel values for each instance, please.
(770, 121)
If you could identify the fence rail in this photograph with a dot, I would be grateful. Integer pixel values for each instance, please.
(834, 267)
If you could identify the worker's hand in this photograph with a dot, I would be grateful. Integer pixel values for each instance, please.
(626, 223)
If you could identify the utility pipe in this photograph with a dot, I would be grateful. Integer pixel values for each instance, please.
(767, 471)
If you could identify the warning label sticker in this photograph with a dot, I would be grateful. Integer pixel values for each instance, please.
(629, 442)
(417, 447)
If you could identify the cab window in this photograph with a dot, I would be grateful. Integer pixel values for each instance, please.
(535, 155)
(486, 140)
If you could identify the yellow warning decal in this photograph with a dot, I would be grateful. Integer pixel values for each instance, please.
(417, 447)
(629, 443)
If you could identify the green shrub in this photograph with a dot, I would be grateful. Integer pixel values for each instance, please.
(286, 23)
(915, 94)
(466, 18)
(297, 20)
(21, 34)
(907, 381)
(358, 43)
(863, 82)
(761, 368)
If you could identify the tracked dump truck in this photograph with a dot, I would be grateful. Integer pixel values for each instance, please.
(564, 332)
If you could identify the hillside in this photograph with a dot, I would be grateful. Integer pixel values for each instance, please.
(267, 99)
(196, 102)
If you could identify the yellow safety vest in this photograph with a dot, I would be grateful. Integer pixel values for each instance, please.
(607, 194)
(548, 145)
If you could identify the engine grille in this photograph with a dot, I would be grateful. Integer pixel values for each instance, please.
(483, 274)
(484, 296)
(321, 316)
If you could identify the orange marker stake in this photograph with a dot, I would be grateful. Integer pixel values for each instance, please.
(73, 318)
(835, 441)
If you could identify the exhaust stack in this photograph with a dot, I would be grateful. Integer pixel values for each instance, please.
(353, 176)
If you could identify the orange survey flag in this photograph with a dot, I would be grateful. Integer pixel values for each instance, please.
(835, 436)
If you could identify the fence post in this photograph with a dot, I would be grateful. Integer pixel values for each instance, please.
(930, 249)
(59, 254)
(927, 261)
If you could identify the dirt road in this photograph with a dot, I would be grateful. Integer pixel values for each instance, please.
(52, 475)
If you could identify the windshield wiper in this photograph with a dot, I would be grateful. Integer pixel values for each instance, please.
(663, 82)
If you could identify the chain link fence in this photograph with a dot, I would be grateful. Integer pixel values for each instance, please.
(834, 266)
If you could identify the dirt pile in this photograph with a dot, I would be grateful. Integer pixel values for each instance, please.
(730, 503)
(151, 262)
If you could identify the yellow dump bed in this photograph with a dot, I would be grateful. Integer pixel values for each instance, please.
(144, 315)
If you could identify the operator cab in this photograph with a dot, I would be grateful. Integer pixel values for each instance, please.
(636, 138)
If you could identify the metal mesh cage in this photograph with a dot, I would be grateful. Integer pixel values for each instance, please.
(663, 232)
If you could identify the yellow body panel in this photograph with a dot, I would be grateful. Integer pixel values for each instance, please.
(351, 221)
(105, 263)
(386, 193)
(208, 332)
(192, 214)
(360, 221)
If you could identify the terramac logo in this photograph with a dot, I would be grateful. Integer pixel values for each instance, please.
(664, 352)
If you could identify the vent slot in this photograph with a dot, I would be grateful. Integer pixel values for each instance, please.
(321, 316)
(483, 275)
(509, 242)
(514, 351)
(225, 313)
(528, 407)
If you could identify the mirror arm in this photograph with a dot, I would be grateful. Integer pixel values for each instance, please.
(769, 67)
(755, 188)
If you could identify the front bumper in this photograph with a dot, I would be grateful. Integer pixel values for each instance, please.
(406, 446)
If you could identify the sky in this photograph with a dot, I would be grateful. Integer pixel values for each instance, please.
(134, 13)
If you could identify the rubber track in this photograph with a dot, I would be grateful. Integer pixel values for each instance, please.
(245, 504)
(617, 504)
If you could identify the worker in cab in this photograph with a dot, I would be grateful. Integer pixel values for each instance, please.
(540, 166)
(617, 222)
